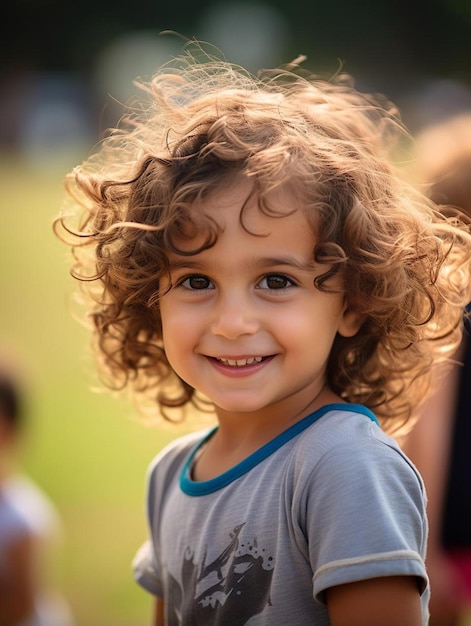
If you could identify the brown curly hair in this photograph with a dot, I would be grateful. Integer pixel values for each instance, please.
(404, 266)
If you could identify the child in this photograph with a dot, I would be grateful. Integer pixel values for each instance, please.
(247, 245)
(30, 527)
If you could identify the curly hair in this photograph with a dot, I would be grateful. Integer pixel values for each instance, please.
(404, 266)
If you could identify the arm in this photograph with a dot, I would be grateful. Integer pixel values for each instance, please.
(159, 613)
(385, 601)
(17, 587)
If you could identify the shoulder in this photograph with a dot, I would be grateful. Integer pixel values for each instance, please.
(25, 506)
(174, 454)
(363, 488)
(349, 427)
(165, 469)
(12, 521)
(346, 440)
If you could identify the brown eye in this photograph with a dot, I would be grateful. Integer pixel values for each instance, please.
(276, 282)
(196, 282)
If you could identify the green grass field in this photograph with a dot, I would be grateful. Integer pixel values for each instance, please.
(88, 451)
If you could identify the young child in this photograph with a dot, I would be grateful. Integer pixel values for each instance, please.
(246, 245)
(30, 526)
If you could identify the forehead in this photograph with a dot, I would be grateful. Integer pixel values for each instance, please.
(239, 200)
(236, 220)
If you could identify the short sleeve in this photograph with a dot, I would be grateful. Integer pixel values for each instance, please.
(145, 572)
(162, 476)
(368, 505)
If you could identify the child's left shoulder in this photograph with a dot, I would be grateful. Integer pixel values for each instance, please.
(348, 436)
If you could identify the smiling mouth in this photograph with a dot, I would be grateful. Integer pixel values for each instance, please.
(240, 362)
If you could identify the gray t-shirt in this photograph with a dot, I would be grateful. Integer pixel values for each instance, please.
(331, 500)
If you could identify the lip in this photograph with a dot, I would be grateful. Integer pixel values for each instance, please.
(238, 371)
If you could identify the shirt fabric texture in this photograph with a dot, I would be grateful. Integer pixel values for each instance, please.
(331, 500)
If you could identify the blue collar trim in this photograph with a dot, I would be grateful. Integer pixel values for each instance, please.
(202, 488)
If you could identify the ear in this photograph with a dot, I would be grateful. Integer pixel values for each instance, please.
(351, 322)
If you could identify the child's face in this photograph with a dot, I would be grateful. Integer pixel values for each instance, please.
(243, 322)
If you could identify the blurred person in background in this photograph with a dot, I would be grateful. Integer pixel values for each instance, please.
(30, 526)
(440, 444)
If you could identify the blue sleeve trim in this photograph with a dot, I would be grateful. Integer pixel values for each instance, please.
(206, 487)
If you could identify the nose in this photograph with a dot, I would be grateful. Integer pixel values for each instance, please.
(234, 315)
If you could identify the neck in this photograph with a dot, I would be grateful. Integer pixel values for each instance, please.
(257, 428)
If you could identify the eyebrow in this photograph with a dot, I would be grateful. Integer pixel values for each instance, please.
(289, 261)
(286, 261)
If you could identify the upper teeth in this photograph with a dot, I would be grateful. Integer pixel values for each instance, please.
(241, 362)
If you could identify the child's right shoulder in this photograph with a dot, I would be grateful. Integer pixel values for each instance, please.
(175, 452)
(165, 469)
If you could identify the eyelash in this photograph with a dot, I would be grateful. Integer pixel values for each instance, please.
(288, 282)
(187, 279)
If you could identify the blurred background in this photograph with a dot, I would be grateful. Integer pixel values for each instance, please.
(63, 67)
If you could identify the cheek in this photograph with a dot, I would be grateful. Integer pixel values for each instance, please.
(169, 324)
(173, 331)
(175, 346)
(178, 329)
(169, 314)
(314, 327)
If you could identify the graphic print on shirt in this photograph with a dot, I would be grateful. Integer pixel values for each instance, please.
(227, 591)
